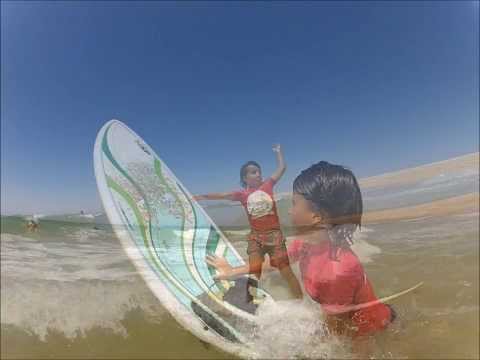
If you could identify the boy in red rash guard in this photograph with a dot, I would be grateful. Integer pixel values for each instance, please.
(326, 210)
(338, 285)
(266, 236)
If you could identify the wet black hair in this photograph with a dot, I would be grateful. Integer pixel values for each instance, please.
(243, 169)
(334, 193)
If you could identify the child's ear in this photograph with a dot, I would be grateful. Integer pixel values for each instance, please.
(317, 219)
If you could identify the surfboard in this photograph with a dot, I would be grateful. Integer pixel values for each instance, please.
(340, 309)
(167, 235)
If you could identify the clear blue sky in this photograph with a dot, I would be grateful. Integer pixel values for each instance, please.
(375, 86)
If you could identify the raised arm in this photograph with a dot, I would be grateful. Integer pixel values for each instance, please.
(281, 166)
(216, 196)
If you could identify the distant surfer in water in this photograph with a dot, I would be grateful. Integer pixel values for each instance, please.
(266, 236)
(32, 226)
(326, 210)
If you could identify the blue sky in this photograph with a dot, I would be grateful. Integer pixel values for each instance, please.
(374, 86)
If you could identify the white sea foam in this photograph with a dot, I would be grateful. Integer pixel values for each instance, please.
(293, 329)
(72, 308)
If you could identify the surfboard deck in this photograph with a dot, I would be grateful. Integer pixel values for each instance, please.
(167, 235)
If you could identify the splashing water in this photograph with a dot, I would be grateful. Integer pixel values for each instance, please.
(293, 329)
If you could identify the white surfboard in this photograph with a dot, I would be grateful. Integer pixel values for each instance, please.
(167, 235)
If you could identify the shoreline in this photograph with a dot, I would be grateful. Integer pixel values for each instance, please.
(456, 205)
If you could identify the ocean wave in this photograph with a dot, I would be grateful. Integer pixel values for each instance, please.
(73, 308)
(238, 232)
(448, 185)
(27, 258)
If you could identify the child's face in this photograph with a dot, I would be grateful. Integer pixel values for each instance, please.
(253, 176)
(301, 212)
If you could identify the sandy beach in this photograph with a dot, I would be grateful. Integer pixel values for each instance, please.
(452, 206)
(413, 175)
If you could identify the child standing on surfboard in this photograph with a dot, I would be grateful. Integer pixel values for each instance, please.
(266, 236)
(326, 210)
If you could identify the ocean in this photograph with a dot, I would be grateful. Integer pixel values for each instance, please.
(69, 291)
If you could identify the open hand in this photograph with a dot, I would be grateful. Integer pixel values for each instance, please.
(221, 265)
(276, 148)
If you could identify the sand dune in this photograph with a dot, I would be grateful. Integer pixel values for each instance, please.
(464, 204)
(412, 175)
(415, 174)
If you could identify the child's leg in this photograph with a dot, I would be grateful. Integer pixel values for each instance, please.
(292, 281)
(279, 259)
(255, 258)
(255, 262)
